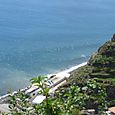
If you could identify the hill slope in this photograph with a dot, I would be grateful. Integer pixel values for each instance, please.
(101, 67)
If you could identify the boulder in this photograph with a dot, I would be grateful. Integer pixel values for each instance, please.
(113, 38)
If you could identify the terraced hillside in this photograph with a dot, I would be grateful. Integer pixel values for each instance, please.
(101, 67)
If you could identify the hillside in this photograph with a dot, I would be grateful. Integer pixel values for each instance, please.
(90, 87)
(103, 62)
(101, 67)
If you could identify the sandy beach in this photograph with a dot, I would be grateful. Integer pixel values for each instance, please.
(66, 72)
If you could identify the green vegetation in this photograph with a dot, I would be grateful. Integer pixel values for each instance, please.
(101, 67)
(91, 86)
(64, 102)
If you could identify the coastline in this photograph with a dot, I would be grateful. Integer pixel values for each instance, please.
(59, 79)
(61, 74)
(67, 71)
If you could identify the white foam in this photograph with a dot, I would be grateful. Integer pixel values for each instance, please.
(66, 73)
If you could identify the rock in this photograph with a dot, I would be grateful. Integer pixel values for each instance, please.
(113, 38)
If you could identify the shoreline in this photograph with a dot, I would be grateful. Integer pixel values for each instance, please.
(68, 70)
(59, 75)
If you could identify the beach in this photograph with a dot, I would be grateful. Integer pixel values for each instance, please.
(61, 77)
(58, 79)
(67, 71)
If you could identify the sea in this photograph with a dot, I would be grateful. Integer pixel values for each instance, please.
(39, 37)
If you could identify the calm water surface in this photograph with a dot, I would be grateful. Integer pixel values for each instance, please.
(46, 36)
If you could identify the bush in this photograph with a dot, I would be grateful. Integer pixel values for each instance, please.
(69, 101)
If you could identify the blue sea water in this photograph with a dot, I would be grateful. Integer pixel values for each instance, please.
(46, 36)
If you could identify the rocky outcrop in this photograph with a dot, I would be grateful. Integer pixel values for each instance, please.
(113, 38)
